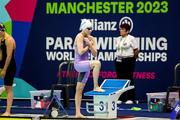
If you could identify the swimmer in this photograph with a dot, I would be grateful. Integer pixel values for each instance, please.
(85, 43)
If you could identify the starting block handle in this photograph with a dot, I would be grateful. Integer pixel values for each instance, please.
(126, 89)
(92, 104)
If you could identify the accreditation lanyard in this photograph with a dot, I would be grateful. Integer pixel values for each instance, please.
(121, 44)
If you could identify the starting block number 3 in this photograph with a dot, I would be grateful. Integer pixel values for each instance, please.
(102, 105)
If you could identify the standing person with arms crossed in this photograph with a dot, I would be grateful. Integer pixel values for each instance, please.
(126, 54)
(8, 65)
(84, 44)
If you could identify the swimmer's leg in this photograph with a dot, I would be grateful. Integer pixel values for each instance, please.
(78, 98)
(96, 66)
(82, 79)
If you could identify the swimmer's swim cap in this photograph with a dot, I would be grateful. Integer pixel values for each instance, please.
(85, 23)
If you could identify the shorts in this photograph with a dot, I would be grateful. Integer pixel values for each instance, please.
(83, 67)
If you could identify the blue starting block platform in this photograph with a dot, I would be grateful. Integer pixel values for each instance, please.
(105, 103)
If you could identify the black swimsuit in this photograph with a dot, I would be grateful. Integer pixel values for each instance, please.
(11, 70)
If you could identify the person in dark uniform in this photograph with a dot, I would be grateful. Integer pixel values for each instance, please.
(7, 65)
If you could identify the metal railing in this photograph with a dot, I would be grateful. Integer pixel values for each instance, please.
(176, 73)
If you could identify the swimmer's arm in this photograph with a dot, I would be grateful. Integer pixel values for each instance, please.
(93, 47)
(136, 52)
(80, 48)
(9, 44)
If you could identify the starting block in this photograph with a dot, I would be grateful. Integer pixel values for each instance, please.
(105, 103)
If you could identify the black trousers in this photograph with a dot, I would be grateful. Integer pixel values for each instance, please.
(124, 70)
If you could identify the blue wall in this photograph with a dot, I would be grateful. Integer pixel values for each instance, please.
(156, 29)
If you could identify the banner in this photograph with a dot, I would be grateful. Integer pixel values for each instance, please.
(45, 32)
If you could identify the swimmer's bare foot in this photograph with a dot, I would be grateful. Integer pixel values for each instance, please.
(98, 89)
(6, 114)
(80, 116)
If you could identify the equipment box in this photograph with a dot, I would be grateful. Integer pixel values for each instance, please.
(156, 101)
(40, 98)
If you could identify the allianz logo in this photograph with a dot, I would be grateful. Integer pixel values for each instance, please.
(110, 25)
(103, 25)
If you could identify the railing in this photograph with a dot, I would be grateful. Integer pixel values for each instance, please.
(176, 73)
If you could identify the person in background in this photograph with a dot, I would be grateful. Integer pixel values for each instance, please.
(126, 54)
(84, 44)
(7, 65)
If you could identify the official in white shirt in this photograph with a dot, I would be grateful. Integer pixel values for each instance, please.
(126, 54)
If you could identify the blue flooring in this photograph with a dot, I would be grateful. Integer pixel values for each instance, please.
(23, 107)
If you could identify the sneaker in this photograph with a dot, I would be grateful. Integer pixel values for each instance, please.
(136, 102)
(119, 102)
(129, 102)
